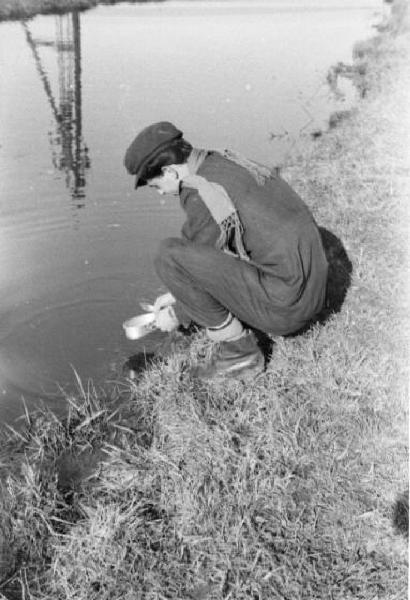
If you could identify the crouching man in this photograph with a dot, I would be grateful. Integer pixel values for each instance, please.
(250, 254)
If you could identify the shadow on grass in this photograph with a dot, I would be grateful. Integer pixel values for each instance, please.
(339, 274)
(401, 514)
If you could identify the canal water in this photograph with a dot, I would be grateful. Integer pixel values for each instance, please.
(76, 241)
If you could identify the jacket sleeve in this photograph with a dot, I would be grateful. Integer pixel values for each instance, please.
(199, 227)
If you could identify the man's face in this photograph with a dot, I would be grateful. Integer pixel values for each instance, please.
(167, 183)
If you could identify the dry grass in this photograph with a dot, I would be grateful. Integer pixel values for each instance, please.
(285, 488)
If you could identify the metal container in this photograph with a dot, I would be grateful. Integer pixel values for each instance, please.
(139, 326)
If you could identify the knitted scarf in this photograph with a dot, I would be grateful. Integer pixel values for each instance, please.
(217, 200)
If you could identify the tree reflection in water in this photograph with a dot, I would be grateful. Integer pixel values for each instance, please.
(69, 152)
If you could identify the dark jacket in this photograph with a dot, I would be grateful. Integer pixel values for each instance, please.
(280, 236)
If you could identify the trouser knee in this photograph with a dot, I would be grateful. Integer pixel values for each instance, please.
(165, 261)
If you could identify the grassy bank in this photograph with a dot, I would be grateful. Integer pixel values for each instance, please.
(286, 488)
(25, 9)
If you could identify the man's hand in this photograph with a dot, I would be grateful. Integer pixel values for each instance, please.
(165, 319)
(163, 301)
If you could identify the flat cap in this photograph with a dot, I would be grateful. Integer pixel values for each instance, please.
(147, 144)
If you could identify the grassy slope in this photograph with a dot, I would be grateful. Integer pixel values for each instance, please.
(280, 489)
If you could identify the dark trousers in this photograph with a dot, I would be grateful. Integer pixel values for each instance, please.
(208, 283)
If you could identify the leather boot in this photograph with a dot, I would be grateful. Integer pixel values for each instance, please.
(236, 358)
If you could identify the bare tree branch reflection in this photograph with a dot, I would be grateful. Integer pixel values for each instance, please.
(69, 152)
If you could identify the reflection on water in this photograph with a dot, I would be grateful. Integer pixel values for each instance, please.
(76, 242)
(69, 152)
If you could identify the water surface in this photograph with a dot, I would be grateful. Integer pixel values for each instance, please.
(76, 241)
